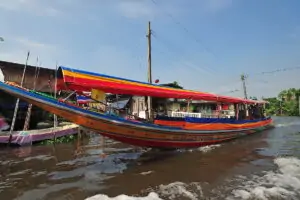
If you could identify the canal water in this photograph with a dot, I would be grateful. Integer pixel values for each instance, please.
(261, 166)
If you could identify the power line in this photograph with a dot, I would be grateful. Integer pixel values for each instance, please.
(246, 76)
(185, 29)
(276, 70)
(179, 53)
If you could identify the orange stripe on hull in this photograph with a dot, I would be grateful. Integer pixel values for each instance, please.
(210, 126)
(223, 126)
(170, 123)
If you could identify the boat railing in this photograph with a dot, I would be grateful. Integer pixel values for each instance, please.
(213, 114)
(185, 114)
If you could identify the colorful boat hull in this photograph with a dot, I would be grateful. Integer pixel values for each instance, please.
(135, 133)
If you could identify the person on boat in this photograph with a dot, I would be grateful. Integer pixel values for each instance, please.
(3, 124)
(250, 112)
(256, 112)
(242, 112)
(263, 112)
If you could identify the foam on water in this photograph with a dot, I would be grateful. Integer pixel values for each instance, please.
(176, 190)
(204, 149)
(208, 148)
(151, 196)
(282, 183)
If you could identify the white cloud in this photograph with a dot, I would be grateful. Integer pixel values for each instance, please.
(147, 9)
(151, 9)
(37, 7)
(116, 61)
(15, 50)
(216, 5)
(137, 9)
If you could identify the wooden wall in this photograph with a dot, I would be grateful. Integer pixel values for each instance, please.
(13, 72)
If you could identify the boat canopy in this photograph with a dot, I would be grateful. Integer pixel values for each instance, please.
(79, 80)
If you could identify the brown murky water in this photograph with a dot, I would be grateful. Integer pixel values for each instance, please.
(262, 166)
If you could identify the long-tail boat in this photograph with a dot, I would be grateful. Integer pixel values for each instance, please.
(192, 132)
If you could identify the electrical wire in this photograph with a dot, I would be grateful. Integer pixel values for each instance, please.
(180, 54)
(186, 30)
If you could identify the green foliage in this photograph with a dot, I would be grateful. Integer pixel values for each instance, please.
(176, 85)
(64, 139)
(253, 98)
(287, 103)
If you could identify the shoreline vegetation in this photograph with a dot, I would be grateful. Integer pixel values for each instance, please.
(285, 104)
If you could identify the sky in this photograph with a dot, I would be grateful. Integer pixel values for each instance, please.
(202, 44)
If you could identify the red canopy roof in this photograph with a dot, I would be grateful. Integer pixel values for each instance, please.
(85, 81)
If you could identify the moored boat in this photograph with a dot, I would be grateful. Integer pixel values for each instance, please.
(189, 132)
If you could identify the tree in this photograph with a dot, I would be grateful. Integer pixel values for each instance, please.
(287, 102)
(173, 85)
(176, 85)
(253, 98)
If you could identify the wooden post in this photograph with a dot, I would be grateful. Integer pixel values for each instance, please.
(17, 102)
(280, 107)
(28, 114)
(299, 104)
(55, 91)
(237, 111)
(150, 114)
(219, 110)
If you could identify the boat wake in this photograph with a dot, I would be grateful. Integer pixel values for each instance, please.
(203, 149)
(295, 123)
(282, 183)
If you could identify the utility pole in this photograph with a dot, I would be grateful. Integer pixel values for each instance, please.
(150, 115)
(243, 78)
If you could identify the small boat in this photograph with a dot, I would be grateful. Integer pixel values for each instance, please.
(21, 138)
(189, 132)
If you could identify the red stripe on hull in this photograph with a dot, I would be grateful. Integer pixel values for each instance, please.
(175, 144)
(162, 144)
